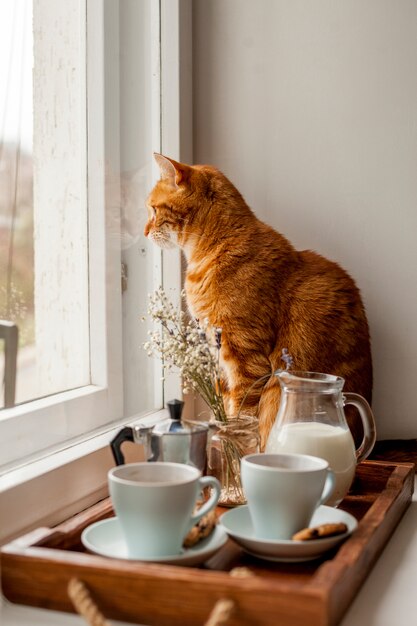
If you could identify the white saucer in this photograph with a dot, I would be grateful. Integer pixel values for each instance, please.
(238, 525)
(106, 538)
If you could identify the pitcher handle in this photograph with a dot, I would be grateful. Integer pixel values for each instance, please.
(368, 421)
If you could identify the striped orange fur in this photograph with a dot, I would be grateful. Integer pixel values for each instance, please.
(248, 279)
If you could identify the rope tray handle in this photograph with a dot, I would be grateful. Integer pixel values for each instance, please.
(88, 609)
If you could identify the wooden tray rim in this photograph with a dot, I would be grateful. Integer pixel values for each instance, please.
(26, 546)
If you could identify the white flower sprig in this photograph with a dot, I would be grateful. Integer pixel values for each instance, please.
(190, 346)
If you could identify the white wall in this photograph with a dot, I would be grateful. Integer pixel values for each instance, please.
(311, 109)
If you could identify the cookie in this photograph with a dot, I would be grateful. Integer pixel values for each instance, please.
(319, 532)
(201, 530)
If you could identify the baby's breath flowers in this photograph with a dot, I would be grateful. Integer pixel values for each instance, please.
(189, 345)
(193, 348)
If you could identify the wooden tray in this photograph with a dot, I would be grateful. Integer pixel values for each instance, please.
(36, 568)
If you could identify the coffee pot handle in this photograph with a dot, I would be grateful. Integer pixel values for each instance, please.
(125, 434)
(368, 422)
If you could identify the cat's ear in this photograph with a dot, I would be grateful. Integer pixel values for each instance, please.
(172, 172)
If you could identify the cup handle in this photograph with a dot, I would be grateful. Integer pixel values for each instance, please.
(329, 486)
(207, 481)
(368, 422)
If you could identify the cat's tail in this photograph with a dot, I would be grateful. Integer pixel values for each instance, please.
(268, 408)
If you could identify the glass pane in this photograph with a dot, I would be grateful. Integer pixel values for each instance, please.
(141, 259)
(16, 187)
(43, 201)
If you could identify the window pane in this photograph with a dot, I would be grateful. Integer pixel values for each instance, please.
(43, 202)
(141, 258)
(16, 187)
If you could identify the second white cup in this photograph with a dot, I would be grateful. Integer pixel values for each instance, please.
(283, 491)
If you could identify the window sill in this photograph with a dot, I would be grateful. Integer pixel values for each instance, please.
(51, 489)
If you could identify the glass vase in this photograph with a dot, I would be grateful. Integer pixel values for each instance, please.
(228, 442)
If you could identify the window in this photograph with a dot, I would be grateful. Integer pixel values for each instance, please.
(104, 73)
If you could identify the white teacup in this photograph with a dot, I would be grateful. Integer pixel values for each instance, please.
(283, 491)
(154, 503)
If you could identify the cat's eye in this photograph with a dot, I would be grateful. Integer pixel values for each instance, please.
(153, 216)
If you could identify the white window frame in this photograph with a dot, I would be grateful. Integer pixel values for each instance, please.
(74, 474)
(55, 418)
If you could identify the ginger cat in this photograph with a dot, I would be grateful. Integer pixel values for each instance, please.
(246, 278)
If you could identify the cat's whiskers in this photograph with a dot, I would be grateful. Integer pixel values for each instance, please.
(161, 239)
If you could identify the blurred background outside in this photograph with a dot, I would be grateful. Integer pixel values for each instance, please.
(16, 188)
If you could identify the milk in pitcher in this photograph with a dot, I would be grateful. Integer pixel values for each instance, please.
(333, 443)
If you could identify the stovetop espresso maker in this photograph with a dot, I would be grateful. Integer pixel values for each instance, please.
(171, 440)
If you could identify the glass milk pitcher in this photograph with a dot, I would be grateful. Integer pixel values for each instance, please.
(311, 420)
